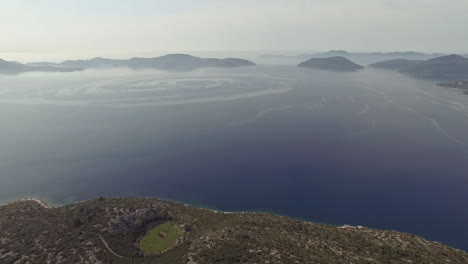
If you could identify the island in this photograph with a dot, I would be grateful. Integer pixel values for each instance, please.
(171, 62)
(146, 230)
(167, 62)
(332, 63)
(11, 67)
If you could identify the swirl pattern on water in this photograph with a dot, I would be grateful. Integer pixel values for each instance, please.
(161, 90)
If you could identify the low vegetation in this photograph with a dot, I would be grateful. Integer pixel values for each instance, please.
(122, 231)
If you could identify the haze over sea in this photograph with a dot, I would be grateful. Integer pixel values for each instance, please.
(372, 148)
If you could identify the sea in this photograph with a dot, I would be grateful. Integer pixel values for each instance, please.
(374, 148)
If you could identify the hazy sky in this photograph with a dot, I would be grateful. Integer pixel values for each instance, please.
(58, 29)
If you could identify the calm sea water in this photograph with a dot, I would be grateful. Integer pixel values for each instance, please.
(373, 148)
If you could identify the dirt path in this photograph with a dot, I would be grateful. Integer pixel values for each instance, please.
(108, 248)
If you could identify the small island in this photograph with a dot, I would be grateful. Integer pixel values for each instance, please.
(145, 230)
(332, 64)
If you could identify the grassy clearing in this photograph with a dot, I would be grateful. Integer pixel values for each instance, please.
(159, 239)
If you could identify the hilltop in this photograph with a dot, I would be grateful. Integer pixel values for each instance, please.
(139, 230)
(332, 63)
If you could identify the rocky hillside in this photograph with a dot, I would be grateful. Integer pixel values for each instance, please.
(109, 231)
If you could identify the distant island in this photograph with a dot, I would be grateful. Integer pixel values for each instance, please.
(445, 66)
(167, 62)
(8, 67)
(332, 63)
(171, 62)
(363, 58)
(143, 230)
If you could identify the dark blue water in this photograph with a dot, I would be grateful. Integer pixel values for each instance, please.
(373, 148)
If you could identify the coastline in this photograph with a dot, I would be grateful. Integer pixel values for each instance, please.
(205, 229)
(47, 205)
